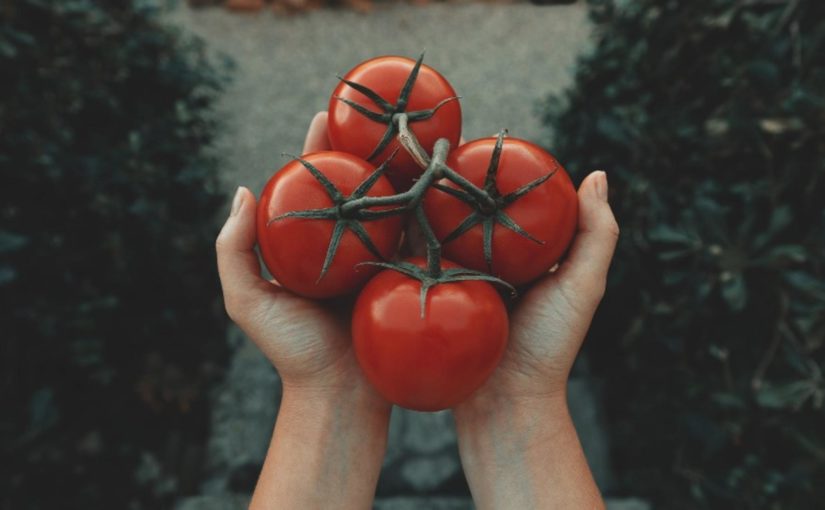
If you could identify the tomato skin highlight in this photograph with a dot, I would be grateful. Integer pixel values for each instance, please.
(549, 212)
(435, 362)
(294, 249)
(350, 131)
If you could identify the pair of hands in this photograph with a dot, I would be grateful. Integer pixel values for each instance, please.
(311, 348)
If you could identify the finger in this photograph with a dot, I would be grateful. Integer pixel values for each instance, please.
(317, 139)
(238, 267)
(461, 141)
(585, 269)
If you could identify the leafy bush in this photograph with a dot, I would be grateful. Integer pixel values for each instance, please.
(111, 323)
(709, 116)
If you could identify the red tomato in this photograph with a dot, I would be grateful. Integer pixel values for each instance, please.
(350, 131)
(434, 362)
(294, 249)
(549, 213)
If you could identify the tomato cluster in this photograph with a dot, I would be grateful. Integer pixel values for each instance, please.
(427, 332)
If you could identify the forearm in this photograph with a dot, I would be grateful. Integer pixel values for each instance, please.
(524, 454)
(326, 452)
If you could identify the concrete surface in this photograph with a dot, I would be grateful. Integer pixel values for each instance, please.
(501, 58)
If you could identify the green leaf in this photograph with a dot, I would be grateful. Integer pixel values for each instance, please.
(663, 233)
(674, 254)
(734, 290)
(806, 283)
(7, 49)
(9, 241)
(7, 274)
(783, 255)
(764, 73)
(612, 129)
(783, 396)
(43, 412)
(781, 218)
(728, 400)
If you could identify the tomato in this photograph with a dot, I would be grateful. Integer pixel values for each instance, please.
(434, 362)
(294, 249)
(548, 213)
(353, 132)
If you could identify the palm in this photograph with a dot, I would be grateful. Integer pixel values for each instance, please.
(306, 340)
(548, 325)
(546, 330)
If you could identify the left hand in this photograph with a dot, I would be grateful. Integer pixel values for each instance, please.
(331, 431)
(307, 342)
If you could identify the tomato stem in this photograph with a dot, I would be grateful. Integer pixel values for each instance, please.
(433, 246)
(408, 140)
(488, 202)
(410, 198)
(482, 197)
(438, 165)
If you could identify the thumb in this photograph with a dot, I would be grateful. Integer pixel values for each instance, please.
(317, 138)
(585, 270)
(238, 266)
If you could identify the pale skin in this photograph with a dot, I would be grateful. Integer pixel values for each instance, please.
(516, 439)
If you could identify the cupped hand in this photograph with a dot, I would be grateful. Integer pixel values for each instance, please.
(307, 341)
(550, 321)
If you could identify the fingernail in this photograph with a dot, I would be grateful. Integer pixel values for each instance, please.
(601, 185)
(236, 202)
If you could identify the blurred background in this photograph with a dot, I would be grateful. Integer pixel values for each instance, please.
(126, 125)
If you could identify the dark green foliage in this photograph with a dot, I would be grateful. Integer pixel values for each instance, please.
(111, 325)
(709, 116)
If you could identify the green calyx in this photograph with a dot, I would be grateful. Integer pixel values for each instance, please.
(390, 113)
(490, 211)
(429, 280)
(344, 220)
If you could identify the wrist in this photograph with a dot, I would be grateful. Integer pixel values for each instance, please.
(497, 396)
(509, 415)
(340, 384)
(334, 434)
(523, 452)
(357, 400)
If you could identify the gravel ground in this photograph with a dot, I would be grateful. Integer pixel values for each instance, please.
(503, 60)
